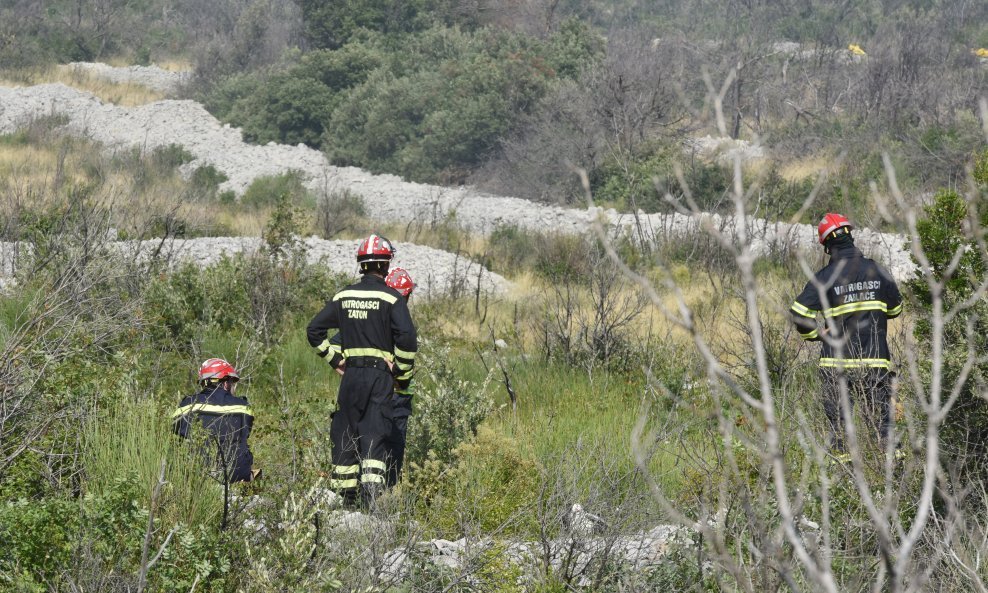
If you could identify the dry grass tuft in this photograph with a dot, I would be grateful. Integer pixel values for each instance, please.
(125, 95)
(809, 167)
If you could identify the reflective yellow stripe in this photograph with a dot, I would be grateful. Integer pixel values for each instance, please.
(797, 307)
(811, 335)
(324, 346)
(855, 363)
(405, 375)
(855, 307)
(372, 478)
(336, 348)
(211, 409)
(404, 354)
(894, 310)
(344, 470)
(406, 392)
(403, 365)
(342, 484)
(373, 464)
(348, 352)
(365, 294)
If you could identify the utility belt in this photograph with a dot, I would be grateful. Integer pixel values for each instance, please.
(367, 362)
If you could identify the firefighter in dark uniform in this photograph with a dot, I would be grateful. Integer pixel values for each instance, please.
(378, 347)
(855, 297)
(400, 280)
(226, 421)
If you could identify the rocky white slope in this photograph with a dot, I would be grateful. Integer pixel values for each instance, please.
(437, 273)
(387, 197)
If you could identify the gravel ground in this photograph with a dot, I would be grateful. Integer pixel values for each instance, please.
(436, 273)
(388, 197)
(151, 77)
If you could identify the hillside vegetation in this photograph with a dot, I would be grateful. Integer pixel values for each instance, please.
(661, 387)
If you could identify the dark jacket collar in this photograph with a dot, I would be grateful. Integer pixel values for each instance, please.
(371, 279)
(845, 252)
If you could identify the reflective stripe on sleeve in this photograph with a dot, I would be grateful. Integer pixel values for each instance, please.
(372, 478)
(894, 310)
(801, 309)
(325, 346)
(212, 409)
(404, 354)
(810, 335)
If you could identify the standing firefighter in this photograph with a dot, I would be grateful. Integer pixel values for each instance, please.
(400, 280)
(856, 298)
(225, 418)
(378, 345)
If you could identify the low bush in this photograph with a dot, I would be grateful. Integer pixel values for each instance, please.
(268, 190)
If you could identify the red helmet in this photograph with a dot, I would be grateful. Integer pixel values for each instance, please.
(375, 248)
(217, 369)
(401, 281)
(830, 223)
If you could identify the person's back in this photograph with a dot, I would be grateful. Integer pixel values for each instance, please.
(221, 419)
(856, 298)
(378, 343)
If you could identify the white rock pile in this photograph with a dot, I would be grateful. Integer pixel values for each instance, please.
(436, 273)
(151, 76)
(386, 197)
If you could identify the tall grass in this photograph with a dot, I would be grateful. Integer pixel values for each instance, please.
(132, 439)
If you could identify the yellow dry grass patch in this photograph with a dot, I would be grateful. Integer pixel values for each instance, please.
(125, 95)
(805, 168)
(242, 222)
(23, 167)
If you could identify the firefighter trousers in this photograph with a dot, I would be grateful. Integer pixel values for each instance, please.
(871, 388)
(401, 410)
(361, 429)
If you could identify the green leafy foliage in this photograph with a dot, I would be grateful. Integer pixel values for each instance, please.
(332, 24)
(491, 485)
(271, 189)
(428, 106)
(956, 260)
(449, 409)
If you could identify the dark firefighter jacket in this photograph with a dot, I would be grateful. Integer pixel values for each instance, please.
(856, 297)
(373, 320)
(227, 421)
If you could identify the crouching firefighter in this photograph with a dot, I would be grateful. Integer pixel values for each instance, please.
(226, 421)
(374, 326)
(400, 280)
(856, 297)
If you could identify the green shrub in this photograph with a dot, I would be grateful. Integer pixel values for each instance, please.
(269, 190)
(168, 158)
(39, 536)
(943, 232)
(512, 249)
(490, 487)
(206, 180)
(448, 410)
